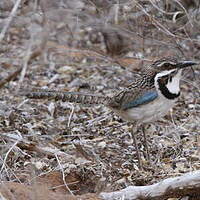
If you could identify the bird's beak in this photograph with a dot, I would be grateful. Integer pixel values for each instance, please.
(184, 64)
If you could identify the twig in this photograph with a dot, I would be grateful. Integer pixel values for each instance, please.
(6, 156)
(156, 23)
(63, 175)
(186, 13)
(12, 14)
(71, 115)
(26, 61)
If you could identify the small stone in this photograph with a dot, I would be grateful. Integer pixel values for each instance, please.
(66, 69)
(102, 144)
(81, 161)
(39, 165)
(191, 106)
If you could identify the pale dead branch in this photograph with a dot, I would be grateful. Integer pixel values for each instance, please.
(172, 187)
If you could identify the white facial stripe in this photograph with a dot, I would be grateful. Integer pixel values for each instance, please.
(163, 73)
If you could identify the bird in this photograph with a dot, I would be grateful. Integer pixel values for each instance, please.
(145, 100)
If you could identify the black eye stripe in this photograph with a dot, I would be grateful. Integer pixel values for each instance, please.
(168, 65)
(174, 72)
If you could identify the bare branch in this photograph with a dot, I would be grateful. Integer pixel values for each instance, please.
(172, 187)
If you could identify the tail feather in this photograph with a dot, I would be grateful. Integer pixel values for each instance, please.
(74, 97)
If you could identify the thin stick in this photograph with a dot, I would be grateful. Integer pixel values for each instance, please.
(26, 60)
(6, 156)
(63, 175)
(71, 115)
(11, 16)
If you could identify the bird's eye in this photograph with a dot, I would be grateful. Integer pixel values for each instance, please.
(165, 64)
(164, 79)
(168, 65)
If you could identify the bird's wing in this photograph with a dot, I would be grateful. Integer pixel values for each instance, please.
(130, 98)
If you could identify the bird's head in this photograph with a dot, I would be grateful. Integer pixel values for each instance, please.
(166, 74)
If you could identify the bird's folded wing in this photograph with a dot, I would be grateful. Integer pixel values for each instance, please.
(142, 99)
(128, 99)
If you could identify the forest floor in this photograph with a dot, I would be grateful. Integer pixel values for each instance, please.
(77, 149)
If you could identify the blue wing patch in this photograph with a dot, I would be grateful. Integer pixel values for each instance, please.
(144, 99)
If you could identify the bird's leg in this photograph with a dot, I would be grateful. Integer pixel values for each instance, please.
(146, 143)
(136, 146)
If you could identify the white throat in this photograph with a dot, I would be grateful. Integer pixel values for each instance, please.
(174, 85)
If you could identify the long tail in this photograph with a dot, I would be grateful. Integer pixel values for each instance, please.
(76, 97)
